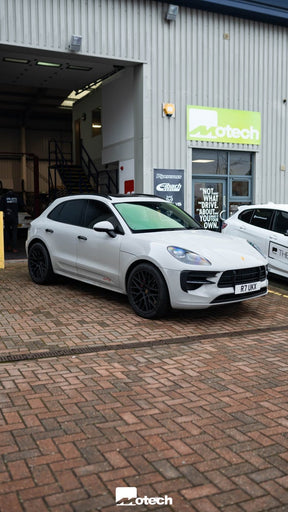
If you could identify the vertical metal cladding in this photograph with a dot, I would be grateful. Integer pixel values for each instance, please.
(109, 28)
(220, 61)
(201, 58)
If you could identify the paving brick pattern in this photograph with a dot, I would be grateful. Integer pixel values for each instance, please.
(203, 422)
(73, 314)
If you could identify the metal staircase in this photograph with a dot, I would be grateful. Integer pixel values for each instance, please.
(66, 178)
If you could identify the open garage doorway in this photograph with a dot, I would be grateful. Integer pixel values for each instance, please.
(36, 107)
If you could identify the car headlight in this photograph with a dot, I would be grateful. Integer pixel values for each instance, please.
(189, 257)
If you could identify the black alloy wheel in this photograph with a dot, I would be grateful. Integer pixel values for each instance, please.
(147, 291)
(39, 264)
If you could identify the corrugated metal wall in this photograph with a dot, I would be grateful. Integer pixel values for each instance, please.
(200, 59)
(109, 28)
(218, 61)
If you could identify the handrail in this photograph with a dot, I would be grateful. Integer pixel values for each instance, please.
(60, 159)
(93, 173)
(89, 166)
(111, 181)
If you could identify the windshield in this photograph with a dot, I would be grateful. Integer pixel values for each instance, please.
(155, 216)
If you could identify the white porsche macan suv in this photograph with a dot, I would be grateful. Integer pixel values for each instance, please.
(145, 247)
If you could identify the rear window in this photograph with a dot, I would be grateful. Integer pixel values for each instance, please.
(246, 215)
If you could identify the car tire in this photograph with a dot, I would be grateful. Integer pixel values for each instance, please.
(147, 291)
(39, 264)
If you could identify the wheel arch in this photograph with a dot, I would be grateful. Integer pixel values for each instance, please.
(140, 262)
(40, 267)
(38, 241)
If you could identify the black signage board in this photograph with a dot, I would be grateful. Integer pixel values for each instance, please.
(169, 184)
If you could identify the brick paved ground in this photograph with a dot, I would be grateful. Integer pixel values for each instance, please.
(203, 421)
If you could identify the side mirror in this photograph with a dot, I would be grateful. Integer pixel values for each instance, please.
(105, 227)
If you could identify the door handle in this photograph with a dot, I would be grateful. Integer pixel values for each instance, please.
(49, 230)
(242, 229)
(273, 237)
(80, 237)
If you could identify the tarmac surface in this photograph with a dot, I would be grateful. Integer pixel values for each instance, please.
(192, 407)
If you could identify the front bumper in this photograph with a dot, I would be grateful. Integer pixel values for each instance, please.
(202, 289)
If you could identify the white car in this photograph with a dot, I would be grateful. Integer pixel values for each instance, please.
(266, 226)
(145, 247)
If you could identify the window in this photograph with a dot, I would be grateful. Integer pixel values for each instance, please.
(240, 163)
(69, 212)
(246, 216)
(98, 212)
(96, 122)
(155, 216)
(262, 218)
(235, 168)
(208, 161)
(281, 223)
(240, 188)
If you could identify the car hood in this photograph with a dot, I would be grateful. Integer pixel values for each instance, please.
(223, 251)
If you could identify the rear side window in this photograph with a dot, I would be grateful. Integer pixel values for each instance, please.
(246, 215)
(262, 218)
(69, 212)
(281, 222)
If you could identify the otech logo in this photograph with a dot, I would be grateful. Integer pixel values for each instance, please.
(127, 496)
(224, 125)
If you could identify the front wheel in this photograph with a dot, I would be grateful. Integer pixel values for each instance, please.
(39, 264)
(147, 291)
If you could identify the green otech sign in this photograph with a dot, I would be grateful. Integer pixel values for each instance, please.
(223, 125)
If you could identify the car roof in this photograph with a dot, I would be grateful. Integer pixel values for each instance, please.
(111, 198)
(271, 206)
(134, 197)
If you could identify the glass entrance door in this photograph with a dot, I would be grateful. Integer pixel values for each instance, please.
(209, 202)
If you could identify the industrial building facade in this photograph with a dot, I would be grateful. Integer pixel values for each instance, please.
(186, 103)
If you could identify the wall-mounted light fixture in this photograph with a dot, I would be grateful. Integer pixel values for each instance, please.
(168, 109)
(75, 43)
(172, 12)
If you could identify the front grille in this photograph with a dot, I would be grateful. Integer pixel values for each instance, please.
(242, 276)
(232, 297)
(191, 280)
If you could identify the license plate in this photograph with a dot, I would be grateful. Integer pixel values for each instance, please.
(247, 288)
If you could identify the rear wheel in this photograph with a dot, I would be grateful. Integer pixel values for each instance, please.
(147, 291)
(39, 264)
